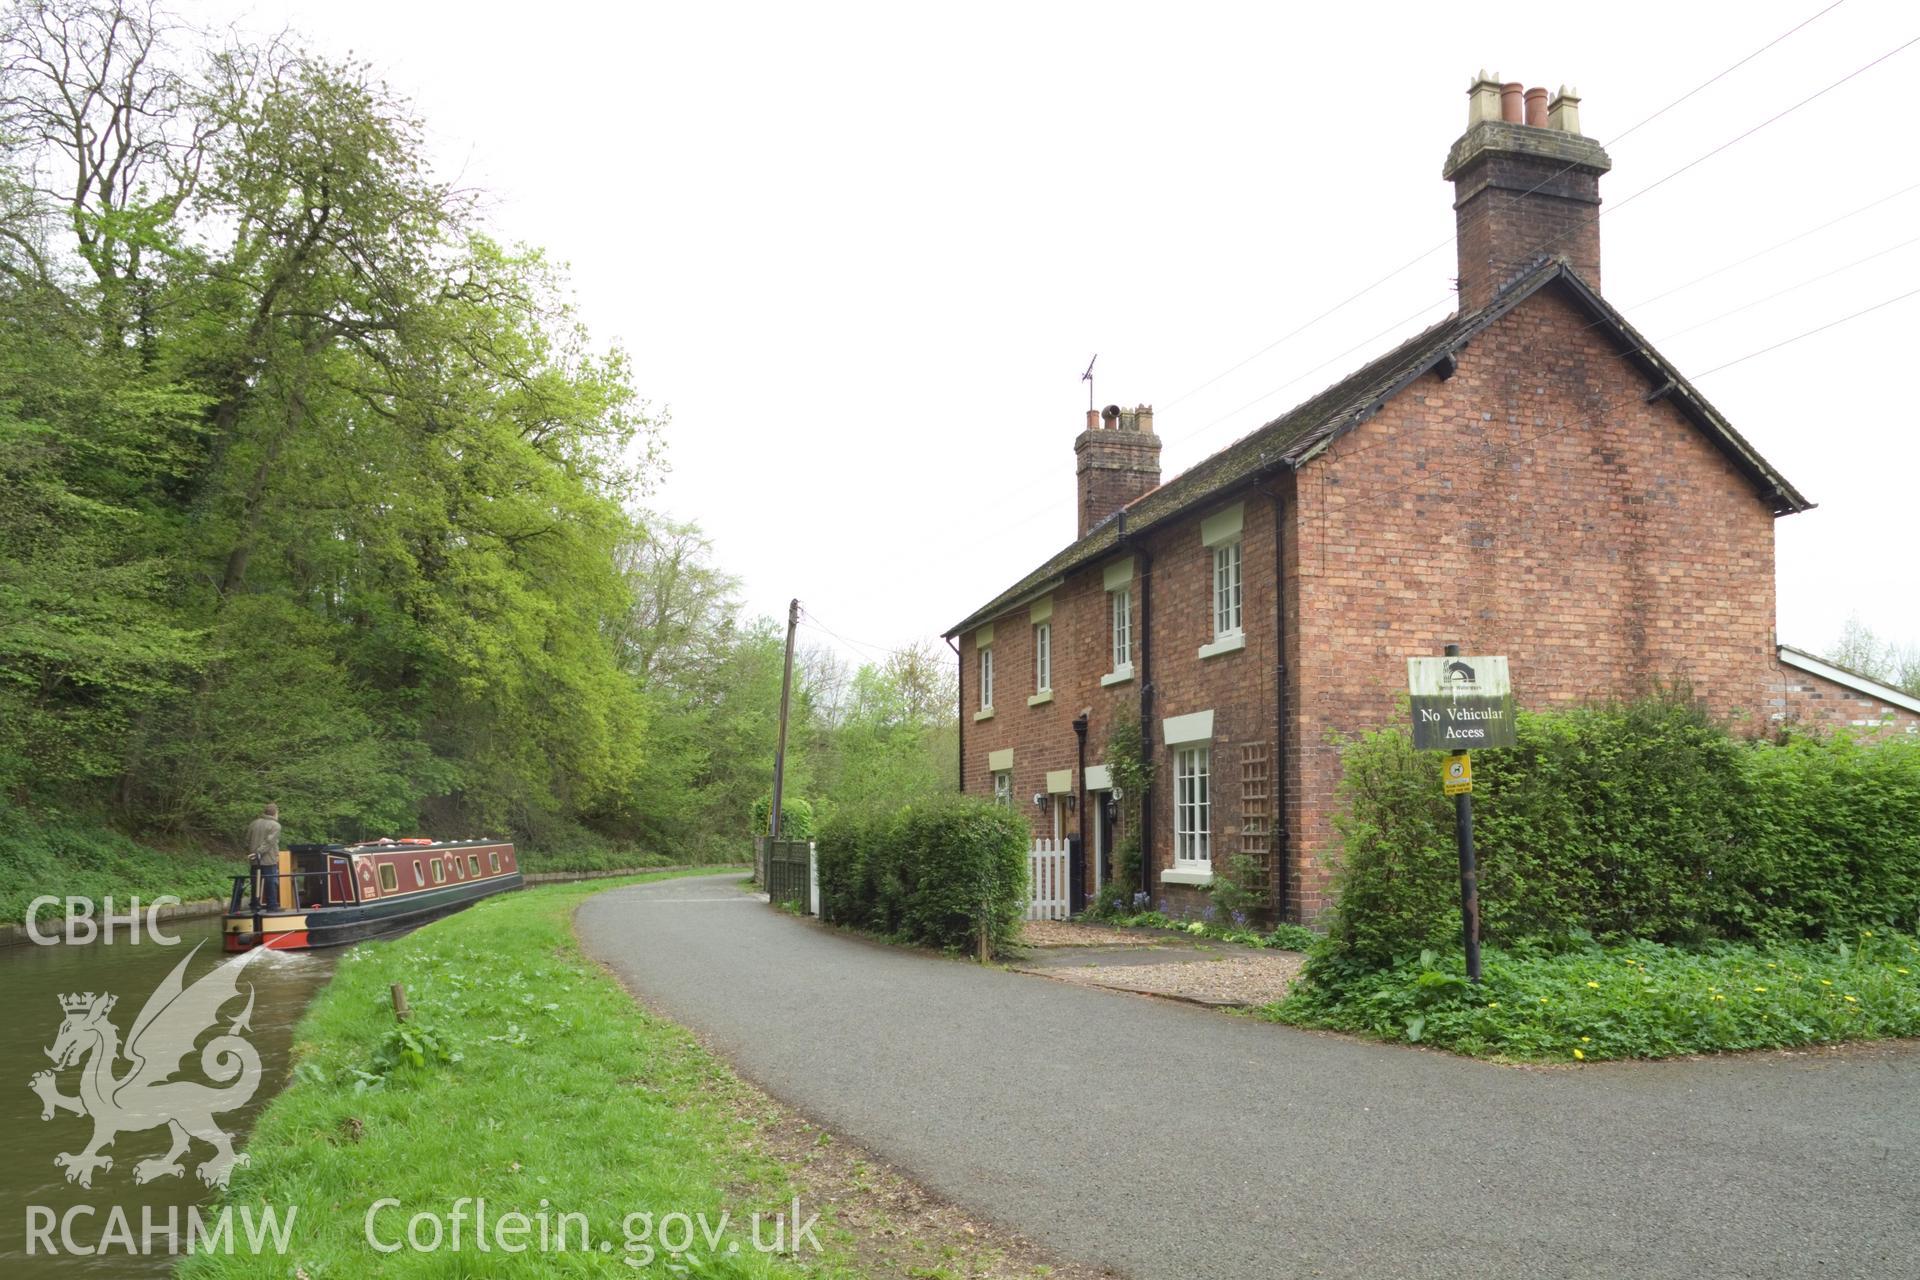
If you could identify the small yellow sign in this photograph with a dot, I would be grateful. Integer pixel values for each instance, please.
(1457, 777)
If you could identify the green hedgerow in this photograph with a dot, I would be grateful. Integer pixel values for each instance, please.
(1643, 820)
(939, 874)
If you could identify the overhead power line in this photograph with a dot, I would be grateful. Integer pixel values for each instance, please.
(1771, 120)
(1776, 246)
(1544, 246)
(1792, 288)
(1424, 254)
(1629, 401)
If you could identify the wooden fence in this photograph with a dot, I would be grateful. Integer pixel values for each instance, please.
(789, 873)
(1049, 874)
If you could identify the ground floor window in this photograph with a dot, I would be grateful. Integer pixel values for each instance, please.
(1192, 809)
(1003, 789)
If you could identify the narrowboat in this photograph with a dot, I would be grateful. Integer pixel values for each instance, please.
(332, 894)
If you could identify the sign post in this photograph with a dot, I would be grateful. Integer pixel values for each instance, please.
(1460, 703)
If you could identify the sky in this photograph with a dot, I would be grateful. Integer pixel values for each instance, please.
(862, 253)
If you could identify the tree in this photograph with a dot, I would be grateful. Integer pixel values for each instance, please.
(895, 741)
(93, 100)
(312, 490)
(1861, 651)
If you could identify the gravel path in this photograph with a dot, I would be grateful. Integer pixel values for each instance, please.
(1067, 933)
(1167, 1140)
(1242, 978)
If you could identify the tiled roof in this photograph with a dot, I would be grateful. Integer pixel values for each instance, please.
(1296, 436)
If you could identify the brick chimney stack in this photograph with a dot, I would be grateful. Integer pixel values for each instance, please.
(1526, 185)
(1117, 460)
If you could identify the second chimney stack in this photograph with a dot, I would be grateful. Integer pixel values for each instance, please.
(1526, 187)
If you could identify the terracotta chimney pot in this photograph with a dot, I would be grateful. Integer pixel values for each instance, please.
(1517, 196)
(1512, 108)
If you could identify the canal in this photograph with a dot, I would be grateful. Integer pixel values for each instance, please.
(33, 981)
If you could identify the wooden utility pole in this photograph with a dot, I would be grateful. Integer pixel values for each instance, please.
(786, 693)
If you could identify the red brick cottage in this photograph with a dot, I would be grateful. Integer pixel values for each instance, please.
(1528, 477)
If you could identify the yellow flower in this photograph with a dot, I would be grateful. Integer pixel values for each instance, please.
(1586, 1039)
(1899, 970)
(1543, 999)
(1493, 1004)
(1849, 999)
(1866, 933)
(1580, 1055)
(1760, 989)
(1772, 965)
(1719, 997)
(1594, 985)
(1826, 982)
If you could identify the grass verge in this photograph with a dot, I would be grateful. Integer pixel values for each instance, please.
(526, 1076)
(529, 1077)
(69, 858)
(1639, 1000)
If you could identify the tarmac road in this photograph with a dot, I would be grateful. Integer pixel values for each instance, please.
(1164, 1140)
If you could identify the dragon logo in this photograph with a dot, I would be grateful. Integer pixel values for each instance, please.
(145, 1095)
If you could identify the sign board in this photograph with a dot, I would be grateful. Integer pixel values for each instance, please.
(1460, 703)
(1457, 776)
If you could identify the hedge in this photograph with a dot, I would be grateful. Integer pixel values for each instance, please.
(937, 874)
(796, 817)
(1645, 820)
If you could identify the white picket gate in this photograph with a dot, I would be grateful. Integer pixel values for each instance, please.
(1048, 868)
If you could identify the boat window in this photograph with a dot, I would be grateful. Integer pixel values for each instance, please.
(495, 859)
(473, 863)
(389, 878)
(459, 872)
(419, 876)
(439, 871)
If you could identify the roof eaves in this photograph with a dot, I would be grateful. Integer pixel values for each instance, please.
(1781, 494)
(1322, 424)
(1840, 675)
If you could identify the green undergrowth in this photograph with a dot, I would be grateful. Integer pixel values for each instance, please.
(1636, 1000)
(527, 1077)
(67, 857)
(536, 861)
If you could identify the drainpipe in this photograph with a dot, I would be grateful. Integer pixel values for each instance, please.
(1079, 793)
(1281, 851)
(960, 714)
(1144, 672)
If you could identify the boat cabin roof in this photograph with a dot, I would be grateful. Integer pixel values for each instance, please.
(400, 846)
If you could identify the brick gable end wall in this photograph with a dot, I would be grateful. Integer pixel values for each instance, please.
(1536, 505)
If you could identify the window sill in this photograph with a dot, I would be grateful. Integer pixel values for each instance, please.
(1120, 676)
(1200, 878)
(1225, 644)
(1041, 698)
(984, 713)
